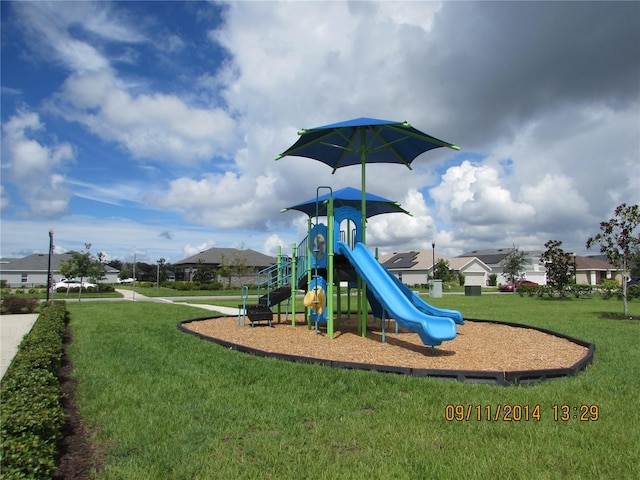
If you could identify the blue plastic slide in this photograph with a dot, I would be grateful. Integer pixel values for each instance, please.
(432, 330)
(423, 306)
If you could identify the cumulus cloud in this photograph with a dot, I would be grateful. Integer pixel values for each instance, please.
(402, 230)
(272, 243)
(475, 194)
(34, 166)
(159, 127)
(224, 201)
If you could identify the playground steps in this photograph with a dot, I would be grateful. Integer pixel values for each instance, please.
(262, 311)
(275, 296)
(258, 313)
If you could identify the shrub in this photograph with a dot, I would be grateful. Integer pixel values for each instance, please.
(580, 290)
(32, 416)
(609, 288)
(12, 304)
(529, 290)
(106, 287)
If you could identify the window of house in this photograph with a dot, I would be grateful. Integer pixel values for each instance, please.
(25, 278)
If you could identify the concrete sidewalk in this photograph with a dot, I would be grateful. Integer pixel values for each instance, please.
(12, 329)
(130, 295)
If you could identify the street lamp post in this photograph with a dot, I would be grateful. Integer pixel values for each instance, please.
(433, 268)
(49, 282)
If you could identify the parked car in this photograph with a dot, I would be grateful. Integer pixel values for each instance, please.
(511, 287)
(68, 284)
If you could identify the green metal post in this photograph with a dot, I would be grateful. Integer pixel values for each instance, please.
(279, 277)
(339, 301)
(294, 281)
(307, 315)
(330, 231)
(362, 306)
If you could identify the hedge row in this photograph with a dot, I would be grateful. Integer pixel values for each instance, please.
(32, 417)
(607, 289)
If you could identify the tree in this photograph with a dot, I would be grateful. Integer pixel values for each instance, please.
(442, 270)
(560, 266)
(83, 265)
(619, 241)
(162, 270)
(513, 265)
(203, 273)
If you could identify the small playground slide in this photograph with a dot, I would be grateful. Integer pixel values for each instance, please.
(423, 306)
(433, 330)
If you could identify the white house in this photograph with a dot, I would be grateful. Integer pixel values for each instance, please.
(535, 270)
(416, 266)
(31, 271)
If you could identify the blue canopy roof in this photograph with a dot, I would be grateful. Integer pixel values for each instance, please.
(349, 197)
(363, 140)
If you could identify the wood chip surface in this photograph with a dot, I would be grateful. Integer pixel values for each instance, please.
(478, 346)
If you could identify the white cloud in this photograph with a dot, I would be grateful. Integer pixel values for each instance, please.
(224, 201)
(402, 230)
(272, 243)
(156, 126)
(34, 166)
(190, 250)
(49, 25)
(474, 194)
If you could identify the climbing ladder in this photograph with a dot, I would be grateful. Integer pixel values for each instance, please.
(276, 280)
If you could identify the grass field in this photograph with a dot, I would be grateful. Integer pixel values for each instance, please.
(165, 404)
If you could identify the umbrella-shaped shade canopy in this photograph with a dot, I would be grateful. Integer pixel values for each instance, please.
(361, 141)
(364, 140)
(349, 197)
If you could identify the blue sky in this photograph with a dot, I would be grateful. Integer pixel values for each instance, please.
(153, 127)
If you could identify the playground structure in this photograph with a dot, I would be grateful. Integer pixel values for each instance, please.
(324, 260)
(331, 256)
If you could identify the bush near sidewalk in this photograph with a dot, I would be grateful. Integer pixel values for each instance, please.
(32, 416)
(15, 304)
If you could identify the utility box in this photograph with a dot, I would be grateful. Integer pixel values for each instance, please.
(472, 290)
(435, 288)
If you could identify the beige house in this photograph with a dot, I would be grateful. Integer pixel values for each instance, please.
(592, 270)
(416, 266)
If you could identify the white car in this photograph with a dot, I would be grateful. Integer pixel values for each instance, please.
(68, 284)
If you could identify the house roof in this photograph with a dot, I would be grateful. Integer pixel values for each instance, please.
(593, 263)
(39, 262)
(423, 260)
(494, 256)
(215, 256)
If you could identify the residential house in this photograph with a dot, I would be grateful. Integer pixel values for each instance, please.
(31, 271)
(592, 270)
(415, 267)
(534, 269)
(214, 258)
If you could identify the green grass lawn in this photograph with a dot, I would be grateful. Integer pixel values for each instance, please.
(164, 404)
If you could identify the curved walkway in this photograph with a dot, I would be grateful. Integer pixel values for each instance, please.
(136, 297)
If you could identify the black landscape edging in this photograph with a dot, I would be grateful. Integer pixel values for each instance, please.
(509, 378)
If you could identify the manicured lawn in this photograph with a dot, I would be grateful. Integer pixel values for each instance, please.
(165, 404)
